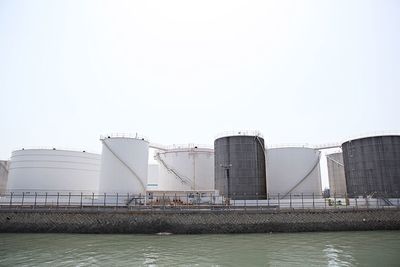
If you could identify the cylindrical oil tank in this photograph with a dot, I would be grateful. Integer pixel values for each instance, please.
(51, 170)
(124, 165)
(240, 171)
(3, 175)
(337, 180)
(372, 166)
(293, 171)
(186, 169)
(152, 177)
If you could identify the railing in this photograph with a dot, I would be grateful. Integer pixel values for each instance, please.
(239, 132)
(124, 135)
(189, 201)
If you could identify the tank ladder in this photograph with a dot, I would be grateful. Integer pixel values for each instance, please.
(181, 178)
(125, 164)
(305, 177)
(337, 162)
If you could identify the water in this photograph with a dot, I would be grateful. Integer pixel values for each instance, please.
(379, 248)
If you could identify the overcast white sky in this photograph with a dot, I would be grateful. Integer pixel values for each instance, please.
(184, 71)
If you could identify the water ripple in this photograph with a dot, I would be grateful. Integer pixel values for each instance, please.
(378, 248)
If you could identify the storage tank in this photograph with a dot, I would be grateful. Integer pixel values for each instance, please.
(3, 175)
(372, 165)
(240, 166)
(46, 170)
(337, 180)
(293, 171)
(124, 165)
(186, 168)
(152, 177)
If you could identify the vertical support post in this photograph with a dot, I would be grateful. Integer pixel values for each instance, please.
(11, 198)
(163, 201)
(45, 199)
(58, 198)
(23, 196)
(128, 200)
(105, 197)
(116, 204)
(279, 201)
(290, 201)
(268, 199)
(356, 202)
(302, 201)
(244, 201)
(257, 200)
(34, 205)
(313, 201)
(81, 200)
(229, 182)
(334, 200)
(92, 199)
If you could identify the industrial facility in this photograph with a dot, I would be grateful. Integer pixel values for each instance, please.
(293, 171)
(124, 165)
(372, 165)
(337, 179)
(238, 167)
(153, 175)
(240, 170)
(3, 175)
(189, 168)
(52, 170)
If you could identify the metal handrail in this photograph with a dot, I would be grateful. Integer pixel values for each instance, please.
(189, 200)
(58, 148)
(290, 145)
(183, 179)
(125, 135)
(240, 132)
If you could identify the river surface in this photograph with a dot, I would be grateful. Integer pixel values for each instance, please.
(375, 248)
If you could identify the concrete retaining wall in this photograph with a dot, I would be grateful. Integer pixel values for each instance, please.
(50, 221)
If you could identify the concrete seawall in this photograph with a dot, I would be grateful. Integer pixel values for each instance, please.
(196, 222)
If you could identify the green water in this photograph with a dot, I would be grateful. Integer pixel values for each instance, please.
(378, 248)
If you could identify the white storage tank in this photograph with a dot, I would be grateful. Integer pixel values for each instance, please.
(3, 175)
(51, 170)
(124, 165)
(293, 171)
(152, 177)
(337, 179)
(186, 168)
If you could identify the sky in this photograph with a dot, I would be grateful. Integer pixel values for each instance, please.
(184, 71)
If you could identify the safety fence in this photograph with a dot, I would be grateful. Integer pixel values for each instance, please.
(188, 201)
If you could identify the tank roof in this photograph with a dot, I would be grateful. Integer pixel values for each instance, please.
(281, 146)
(239, 133)
(372, 135)
(124, 135)
(186, 147)
(54, 149)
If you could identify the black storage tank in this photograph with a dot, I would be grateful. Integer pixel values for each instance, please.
(372, 166)
(240, 166)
